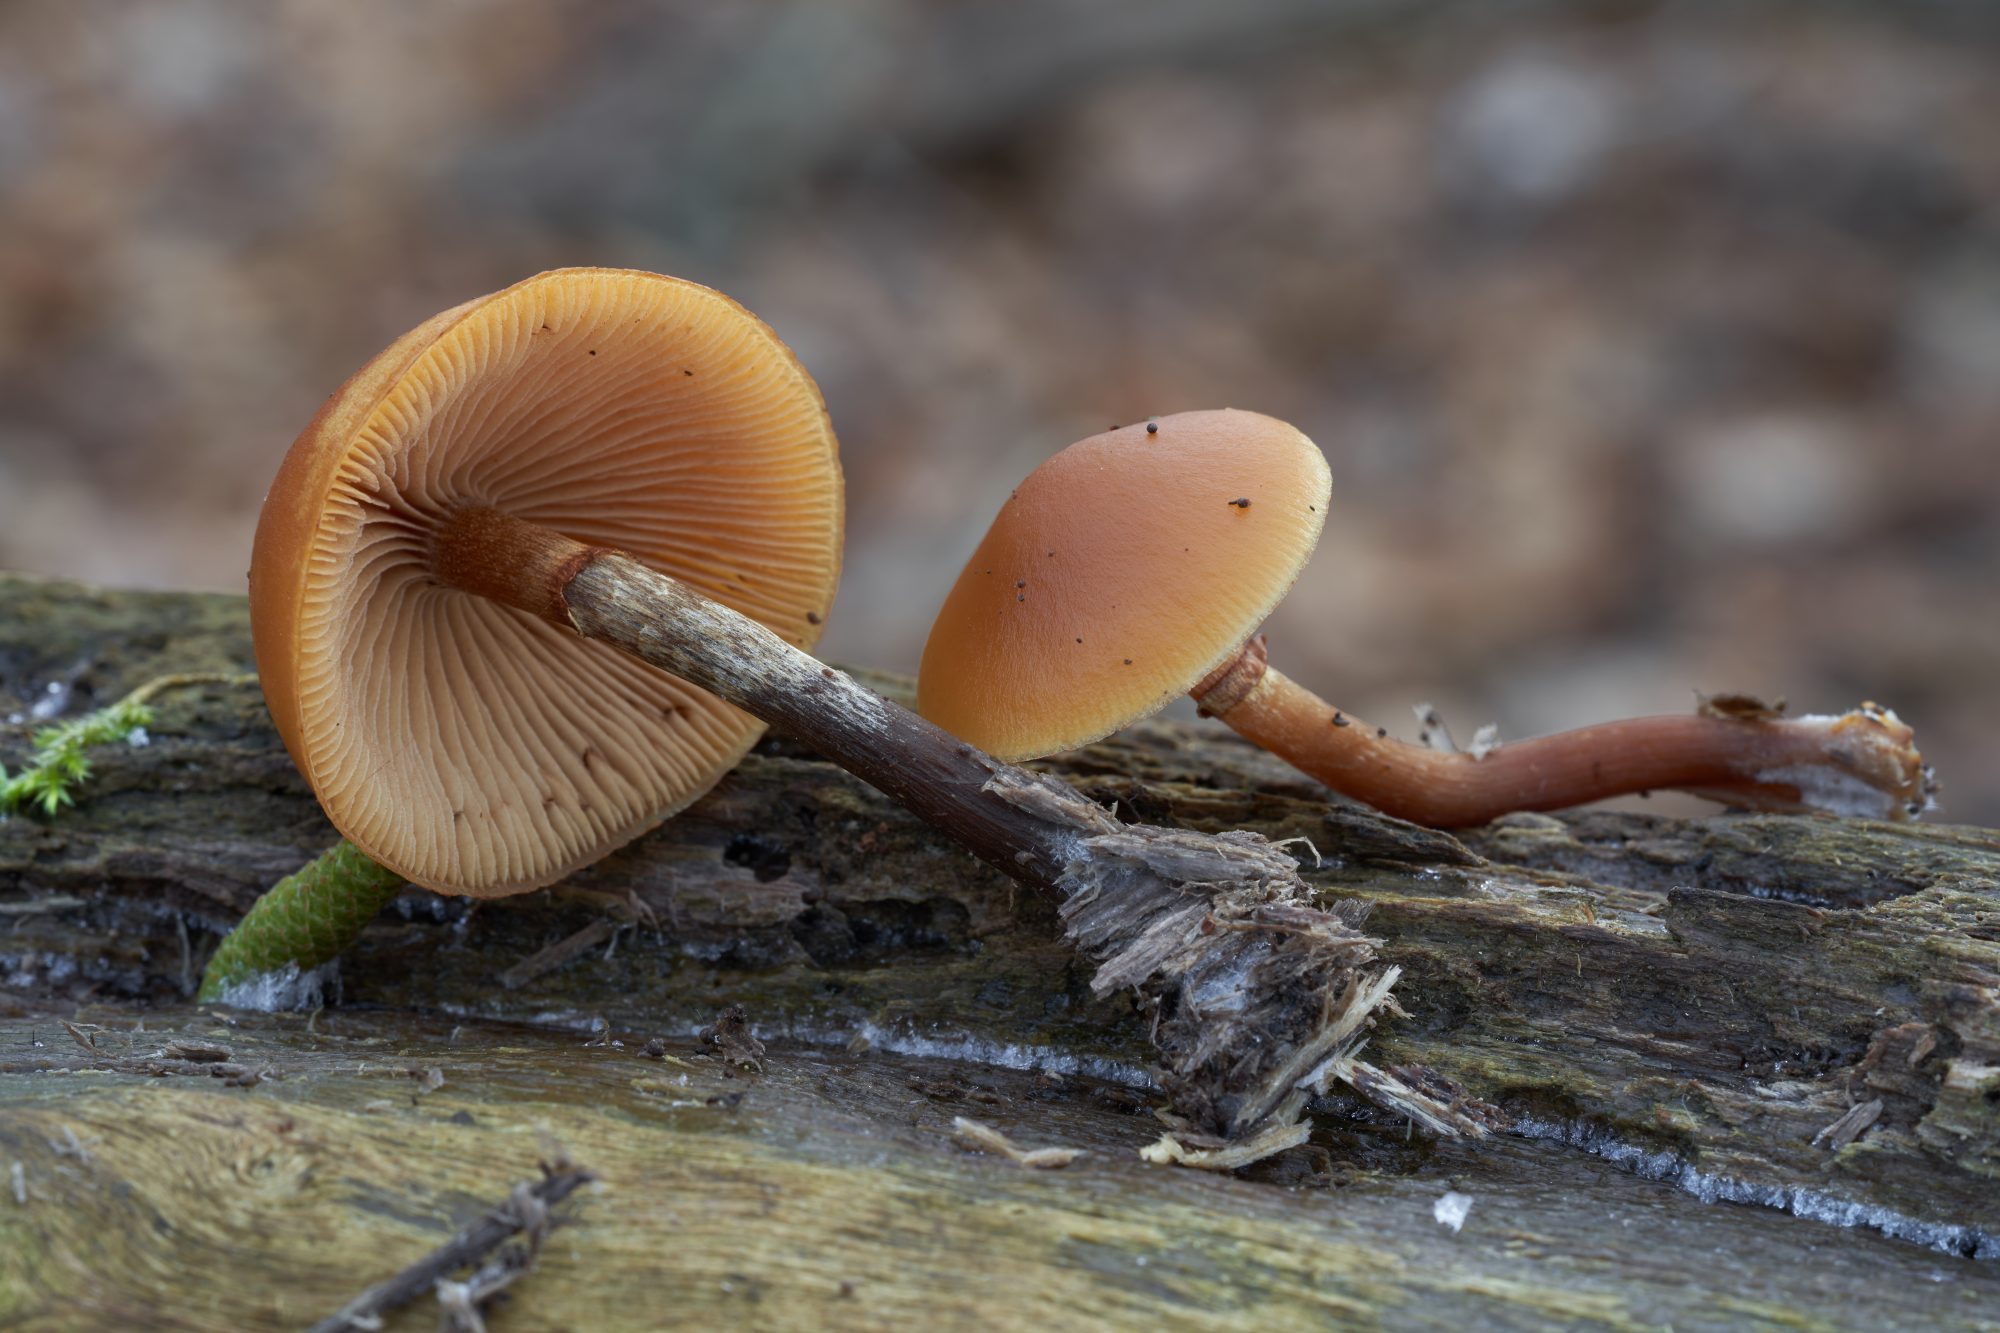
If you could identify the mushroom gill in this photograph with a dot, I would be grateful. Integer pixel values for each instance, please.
(468, 745)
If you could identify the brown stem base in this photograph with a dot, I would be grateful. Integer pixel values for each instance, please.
(1860, 763)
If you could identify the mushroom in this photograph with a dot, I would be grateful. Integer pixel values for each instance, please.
(515, 582)
(1133, 566)
(467, 747)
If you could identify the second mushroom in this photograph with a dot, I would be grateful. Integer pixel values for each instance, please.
(1135, 566)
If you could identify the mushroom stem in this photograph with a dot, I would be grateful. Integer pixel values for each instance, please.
(1167, 912)
(1859, 763)
(601, 593)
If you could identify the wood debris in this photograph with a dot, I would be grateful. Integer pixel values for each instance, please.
(563, 951)
(1208, 1153)
(730, 1037)
(976, 1136)
(526, 1211)
(1849, 1127)
(1738, 707)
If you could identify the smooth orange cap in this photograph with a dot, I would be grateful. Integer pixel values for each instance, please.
(468, 746)
(1121, 572)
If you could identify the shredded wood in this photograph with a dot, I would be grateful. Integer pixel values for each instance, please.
(1170, 1150)
(1263, 994)
(1849, 1127)
(976, 1136)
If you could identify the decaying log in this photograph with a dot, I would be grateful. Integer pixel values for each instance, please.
(1694, 1000)
(827, 1191)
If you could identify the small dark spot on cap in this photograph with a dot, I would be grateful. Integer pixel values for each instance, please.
(1339, 721)
(1052, 555)
(1381, 731)
(1241, 502)
(593, 351)
(688, 373)
(812, 617)
(1152, 428)
(1313, 508)
(1020, 597)
(1079, 640)
(1128, 661)
(1020, 583)
(827, 672)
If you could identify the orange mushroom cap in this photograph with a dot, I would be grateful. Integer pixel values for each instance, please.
(468, 746)
(1121, 572)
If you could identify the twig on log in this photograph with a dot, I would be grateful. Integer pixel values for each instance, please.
(526, 1210)
(1850, 1126)
(563, 951)
(31, 906)
(978, 1136)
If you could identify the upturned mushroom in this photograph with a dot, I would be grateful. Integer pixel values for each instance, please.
(468, 747)
(517, 579)
(1134, 566)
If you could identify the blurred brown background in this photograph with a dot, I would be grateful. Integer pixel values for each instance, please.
(1654, 346)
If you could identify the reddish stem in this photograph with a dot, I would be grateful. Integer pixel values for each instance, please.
(1860, 763)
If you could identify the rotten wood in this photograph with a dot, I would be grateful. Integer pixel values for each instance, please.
(828, 1192)
(1688, 1001)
